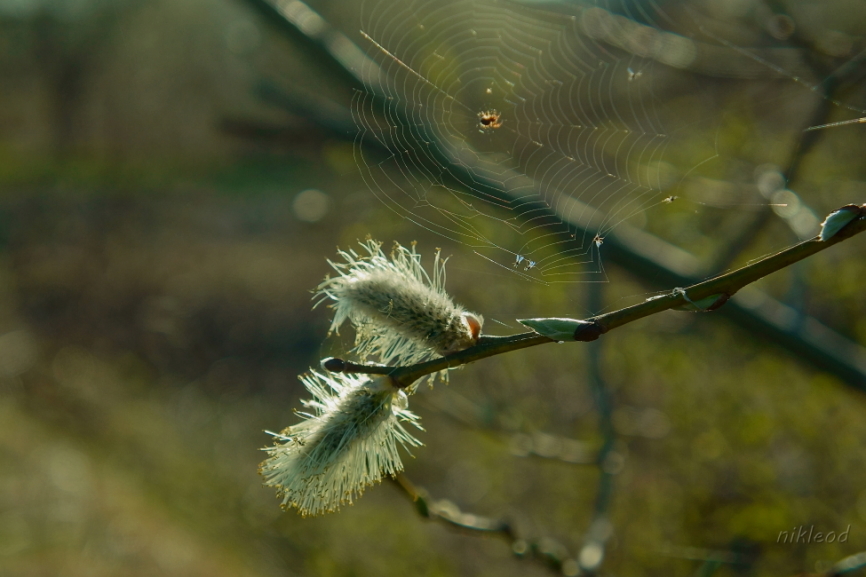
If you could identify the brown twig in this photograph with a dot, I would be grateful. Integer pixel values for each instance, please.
(550, 552)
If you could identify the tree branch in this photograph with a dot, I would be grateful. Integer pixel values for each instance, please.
(703, 296)
(547, 550)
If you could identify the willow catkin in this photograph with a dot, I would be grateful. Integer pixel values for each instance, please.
(400, 313)
(347, 443)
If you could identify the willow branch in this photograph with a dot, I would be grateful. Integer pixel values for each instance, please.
(547, 550)
(718, 289)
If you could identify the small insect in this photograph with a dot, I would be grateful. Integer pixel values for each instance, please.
(598, 240)
(530, 264)
(670, 199)
(632, 75)
(489, 120)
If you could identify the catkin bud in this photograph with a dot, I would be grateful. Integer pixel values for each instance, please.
(348, 443)
(400, 314)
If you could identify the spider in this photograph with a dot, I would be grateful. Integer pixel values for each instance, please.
(489, 119)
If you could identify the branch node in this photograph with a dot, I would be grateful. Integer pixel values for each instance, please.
(839, 219)
(704, 305)
(589, 331)
(333, 365)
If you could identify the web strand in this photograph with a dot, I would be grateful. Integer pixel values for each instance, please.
(525, 135)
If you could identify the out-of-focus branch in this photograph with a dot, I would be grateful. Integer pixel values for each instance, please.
(806, 140)
(550, 552)
(594, 549)
(848, 565)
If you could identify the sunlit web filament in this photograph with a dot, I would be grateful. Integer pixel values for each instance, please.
(840, 123)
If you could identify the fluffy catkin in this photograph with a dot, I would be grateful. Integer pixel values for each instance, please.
(400, 313)
(348, 443)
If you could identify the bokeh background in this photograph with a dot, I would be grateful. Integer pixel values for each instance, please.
(172, 185)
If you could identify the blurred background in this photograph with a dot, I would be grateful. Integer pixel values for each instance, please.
(174, 175)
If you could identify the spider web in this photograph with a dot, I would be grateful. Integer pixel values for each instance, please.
(529, 135)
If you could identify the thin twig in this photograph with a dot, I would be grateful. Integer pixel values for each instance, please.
(450, 514)
(549, 551)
